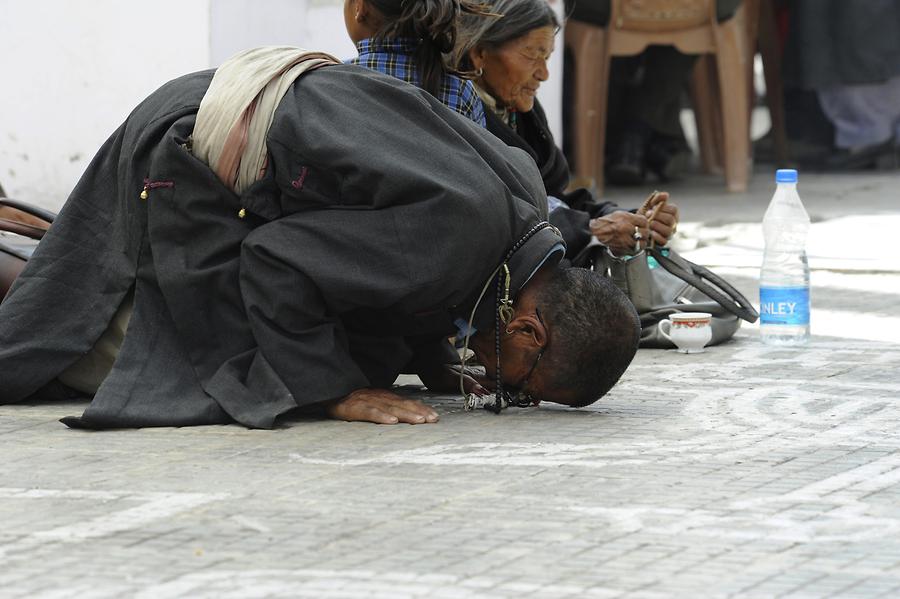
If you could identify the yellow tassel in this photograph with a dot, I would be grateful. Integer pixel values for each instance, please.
(242, 213)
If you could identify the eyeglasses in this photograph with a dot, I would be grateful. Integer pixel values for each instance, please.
(518, 396)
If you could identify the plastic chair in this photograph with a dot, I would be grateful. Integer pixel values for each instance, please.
(761, 30)
(692, 27)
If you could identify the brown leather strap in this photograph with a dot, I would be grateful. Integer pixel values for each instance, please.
(41, 218)
(20, 228)
(11, 266)
(21, 219)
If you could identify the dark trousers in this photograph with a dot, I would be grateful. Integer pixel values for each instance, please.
(644, 91)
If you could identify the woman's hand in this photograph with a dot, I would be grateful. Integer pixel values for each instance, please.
(617, 232)
(664, 218)
(381, 407)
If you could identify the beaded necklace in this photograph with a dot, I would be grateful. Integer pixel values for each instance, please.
(503, 315)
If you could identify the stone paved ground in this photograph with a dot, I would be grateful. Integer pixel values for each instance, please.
(744, 471)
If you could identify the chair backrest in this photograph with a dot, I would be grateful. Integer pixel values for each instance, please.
(661, 15)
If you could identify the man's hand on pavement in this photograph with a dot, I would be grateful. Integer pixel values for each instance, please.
(381, 407)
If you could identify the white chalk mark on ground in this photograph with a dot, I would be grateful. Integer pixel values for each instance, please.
(547, 455)
(150, 507)
(848, 520)
(849, 523)
(352, 584)
(869, 478)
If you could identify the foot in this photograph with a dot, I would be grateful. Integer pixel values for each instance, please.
(627, 166)
(667, 158)
(881, 156)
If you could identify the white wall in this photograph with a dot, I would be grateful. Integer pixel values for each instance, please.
(550, 93)
(237, 24)
(70, 72)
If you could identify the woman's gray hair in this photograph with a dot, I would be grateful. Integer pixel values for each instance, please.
(512, 19)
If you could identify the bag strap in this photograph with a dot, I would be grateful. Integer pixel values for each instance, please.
(698, 276)
(40, 213)
(26, 229)
(20, 228)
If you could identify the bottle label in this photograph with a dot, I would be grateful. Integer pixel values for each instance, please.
(784, 305)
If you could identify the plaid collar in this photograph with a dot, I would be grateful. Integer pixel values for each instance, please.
(397, 57)
(399, 45)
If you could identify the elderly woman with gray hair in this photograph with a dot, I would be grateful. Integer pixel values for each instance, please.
(507, 55)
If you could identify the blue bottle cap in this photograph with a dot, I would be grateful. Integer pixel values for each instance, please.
(786, 175)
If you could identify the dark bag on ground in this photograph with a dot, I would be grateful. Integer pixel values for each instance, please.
(659, 283)
(20, 231)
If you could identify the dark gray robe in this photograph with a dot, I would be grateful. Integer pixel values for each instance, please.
(380, 217)
(842, 42)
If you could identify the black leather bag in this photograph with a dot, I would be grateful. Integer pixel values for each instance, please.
(20, 231)
(660, 282)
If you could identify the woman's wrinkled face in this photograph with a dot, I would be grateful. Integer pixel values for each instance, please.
(513, 72)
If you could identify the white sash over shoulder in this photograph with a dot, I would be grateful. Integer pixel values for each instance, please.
(238, 108)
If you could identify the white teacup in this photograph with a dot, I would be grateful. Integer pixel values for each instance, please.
(690, 331)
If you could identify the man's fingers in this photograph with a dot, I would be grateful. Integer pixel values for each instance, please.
(381, 407)
(379, 416)
(407, 416)
(361, 411)
(410, 411)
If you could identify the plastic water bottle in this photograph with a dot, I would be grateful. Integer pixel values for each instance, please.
(784, 278)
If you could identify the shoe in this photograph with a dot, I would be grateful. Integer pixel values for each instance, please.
(801, 152)
(883, 156)
(627, 166)
(667, 158)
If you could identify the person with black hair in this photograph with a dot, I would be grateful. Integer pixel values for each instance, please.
(575, 334)
(508, 52)
(407, 39)
(291, 232)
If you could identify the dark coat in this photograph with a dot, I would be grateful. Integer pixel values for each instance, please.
(842, 42)
(381, 216)
(534, 136)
